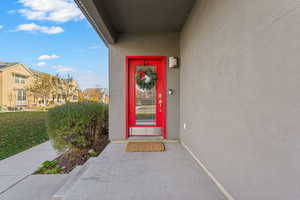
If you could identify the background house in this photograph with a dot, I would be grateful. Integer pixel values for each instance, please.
(14, 79)
(61, 90)
(15, 83)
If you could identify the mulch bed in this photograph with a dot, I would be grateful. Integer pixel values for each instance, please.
(70, 159)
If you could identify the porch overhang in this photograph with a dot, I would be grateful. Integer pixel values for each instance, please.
(111, 18)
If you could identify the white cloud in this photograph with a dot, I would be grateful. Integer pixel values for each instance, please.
(63, 69)
(1, 26)
(32, 27)
(52, 10)
(48, 57)
(41, 64)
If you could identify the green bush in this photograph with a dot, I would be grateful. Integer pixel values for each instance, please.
(77, 125)
(49, 167)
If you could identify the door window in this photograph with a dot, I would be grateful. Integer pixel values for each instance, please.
(145, 106)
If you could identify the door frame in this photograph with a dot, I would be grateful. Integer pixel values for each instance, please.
(163, 60)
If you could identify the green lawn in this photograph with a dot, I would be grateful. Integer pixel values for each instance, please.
(20, 131)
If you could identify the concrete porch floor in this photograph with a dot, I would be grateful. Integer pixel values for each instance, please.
(116, 175)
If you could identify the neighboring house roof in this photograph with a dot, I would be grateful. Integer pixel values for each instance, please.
(6, 65)
(36, 72)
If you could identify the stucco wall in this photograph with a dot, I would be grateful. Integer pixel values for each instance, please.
(240, 100)
(159, 44)
(8, 85)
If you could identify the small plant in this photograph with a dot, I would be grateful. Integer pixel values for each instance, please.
(54, 170)
(93, 153)
(49, 167)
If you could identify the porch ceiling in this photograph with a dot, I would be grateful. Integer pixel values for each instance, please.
(113, 17)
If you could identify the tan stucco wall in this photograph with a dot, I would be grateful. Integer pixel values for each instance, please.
(9, 86)
(240, 100)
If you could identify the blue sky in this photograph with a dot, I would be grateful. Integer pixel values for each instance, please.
(54, 37)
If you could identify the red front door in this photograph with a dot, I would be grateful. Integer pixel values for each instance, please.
(146, 107)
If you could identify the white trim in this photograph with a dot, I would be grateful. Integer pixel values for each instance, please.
(219, 185)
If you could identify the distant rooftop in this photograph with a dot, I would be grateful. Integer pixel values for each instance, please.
(36, 72)
(4, 65)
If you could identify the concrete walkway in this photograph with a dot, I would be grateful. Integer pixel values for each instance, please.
(16, 168)
(116, 175)
(35, 187)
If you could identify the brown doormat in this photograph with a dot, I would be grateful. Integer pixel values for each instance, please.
(145, 147)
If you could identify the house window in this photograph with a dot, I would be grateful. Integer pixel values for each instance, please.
(19, 79)
(21, 95)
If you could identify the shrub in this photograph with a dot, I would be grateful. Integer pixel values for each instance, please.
(77, 125)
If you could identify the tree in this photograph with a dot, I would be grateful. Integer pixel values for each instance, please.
(70, 88)
(80, 96)
(93, 94)
(47, 88)
(44, 86)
